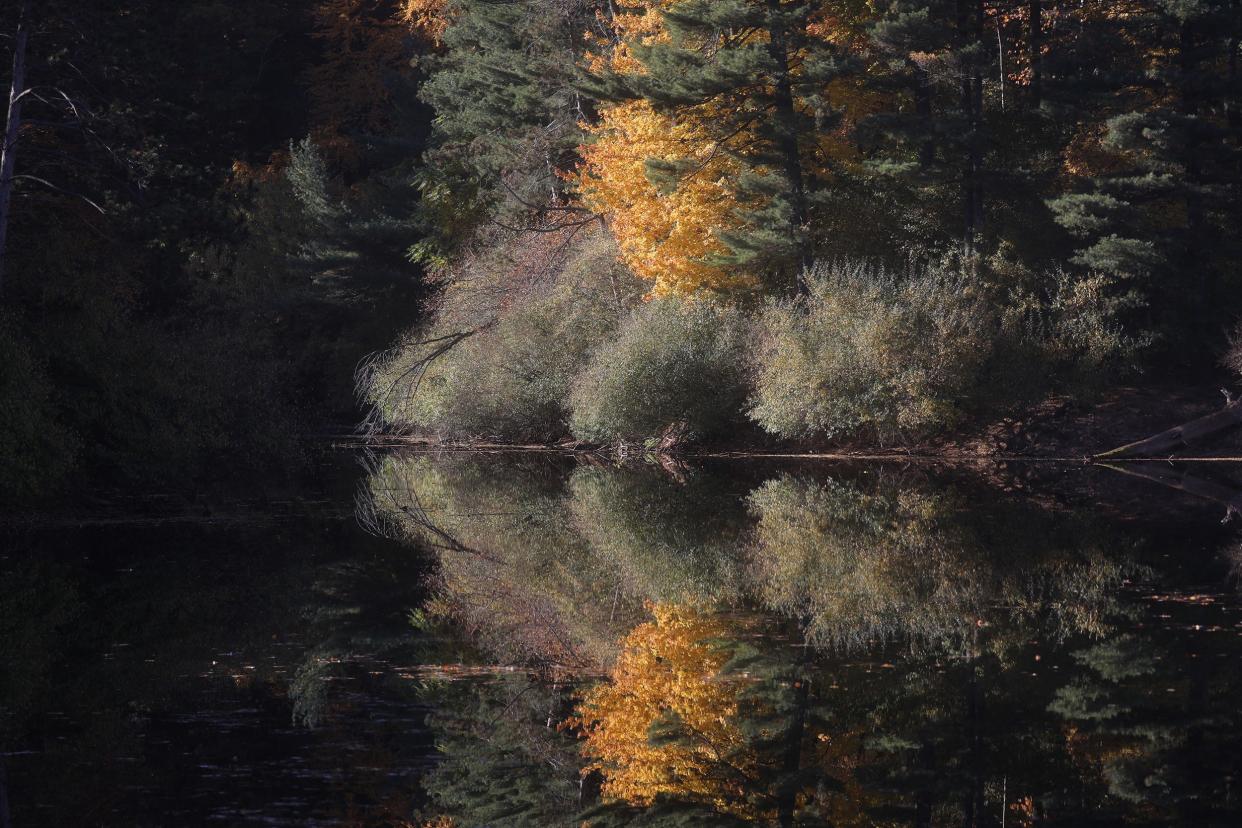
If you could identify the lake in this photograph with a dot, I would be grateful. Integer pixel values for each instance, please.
(530, 638)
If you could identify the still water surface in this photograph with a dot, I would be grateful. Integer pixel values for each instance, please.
(523, 639)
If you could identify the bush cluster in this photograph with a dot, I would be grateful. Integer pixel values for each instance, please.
(673, 365)
(867, 350)
(888, 356)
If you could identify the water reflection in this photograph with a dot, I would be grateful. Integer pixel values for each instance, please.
(536, 640)
(812, 647)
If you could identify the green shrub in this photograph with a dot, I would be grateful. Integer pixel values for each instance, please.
(528, 336)
(674, 364)
(870, 352)
(1059, 331)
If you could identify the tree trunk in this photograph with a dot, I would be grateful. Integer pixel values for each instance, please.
(970, 31)
(5, 819)
(13, 123)
(1036, 11)
(925, 797)
(921, 82)
(792, 761)
(787, 140)
(1233, 87)
(1192, 240)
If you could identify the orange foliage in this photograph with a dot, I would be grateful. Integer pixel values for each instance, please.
(668, 670)
(672, 237)
(426, 18)
(363, 41)
(667, 238)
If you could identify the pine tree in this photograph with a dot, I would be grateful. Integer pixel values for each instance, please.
(1157, 208)
(935, 139)
(505, 761)
(507, 115)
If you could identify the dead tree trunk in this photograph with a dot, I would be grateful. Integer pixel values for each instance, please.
(1180, 436)
(13, 123)
(13, 127)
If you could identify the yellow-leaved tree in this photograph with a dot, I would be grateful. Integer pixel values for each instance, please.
(721, 128)
(426, 18)
(362, 42)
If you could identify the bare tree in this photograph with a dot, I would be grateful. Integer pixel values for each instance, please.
(13, 125)
(49, 109)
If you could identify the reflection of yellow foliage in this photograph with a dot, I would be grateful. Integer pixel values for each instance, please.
(668, 671)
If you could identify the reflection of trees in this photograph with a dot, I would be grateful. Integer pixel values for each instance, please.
(664, 725)
(504, 759)
(696, 725)
(512, 567)
(668, 539)
(1151, 720)
(357, 608)
(890, 562)
(717, 719)
(551, 568)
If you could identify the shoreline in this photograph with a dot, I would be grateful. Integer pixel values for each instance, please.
(1060, 429)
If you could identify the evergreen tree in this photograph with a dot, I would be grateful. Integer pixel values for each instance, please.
(935, 140)
(1156, 210)
(506, 115)
(505, 761)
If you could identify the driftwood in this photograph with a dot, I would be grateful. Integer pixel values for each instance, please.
(1181, 436)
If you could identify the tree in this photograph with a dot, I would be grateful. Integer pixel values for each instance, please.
(351, 88)
(12, 129)
(719, 142)
(1153, 209)
(934, 49)
(504, 758)
(506, 122)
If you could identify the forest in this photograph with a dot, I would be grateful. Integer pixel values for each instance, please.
(750, 223)
(452, 413)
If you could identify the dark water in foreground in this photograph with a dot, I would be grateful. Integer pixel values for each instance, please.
(531, 640)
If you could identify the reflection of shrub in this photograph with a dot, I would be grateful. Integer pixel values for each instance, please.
(533, 331)
(512, 569)
(673, 364)
(668, 541)
(861, 567)
(870, 352)
(889, 561)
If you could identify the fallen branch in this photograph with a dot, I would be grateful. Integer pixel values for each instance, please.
(1181, 436)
